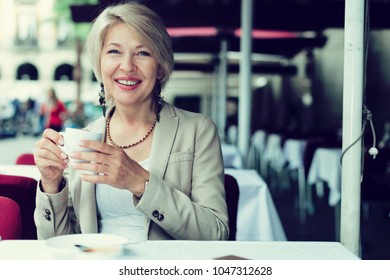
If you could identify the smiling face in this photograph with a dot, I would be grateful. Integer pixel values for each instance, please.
(129, 70)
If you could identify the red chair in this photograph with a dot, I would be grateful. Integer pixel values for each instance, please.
(232, 194)
(10, 219)
(23, 191)
(27, 159)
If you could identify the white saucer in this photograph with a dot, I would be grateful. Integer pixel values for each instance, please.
(91, 245)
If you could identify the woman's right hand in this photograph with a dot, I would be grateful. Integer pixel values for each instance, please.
(50, 159)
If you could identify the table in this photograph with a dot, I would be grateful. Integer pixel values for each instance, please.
(273, 161)
(20, 170)
(293, 155)
(257, 218)
(256, 150)
(326, 167)
(194, 250)
(231, 156)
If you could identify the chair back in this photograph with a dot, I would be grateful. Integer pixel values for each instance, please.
(27, 159)
(10, 219)
(23, 191)
(232, 194)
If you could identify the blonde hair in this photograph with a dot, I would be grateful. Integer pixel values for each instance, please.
(147, 24)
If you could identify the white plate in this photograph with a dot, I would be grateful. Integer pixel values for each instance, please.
(96, 245)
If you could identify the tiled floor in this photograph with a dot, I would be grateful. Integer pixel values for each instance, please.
(375, 229)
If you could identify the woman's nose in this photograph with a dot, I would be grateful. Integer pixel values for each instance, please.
(128, 64)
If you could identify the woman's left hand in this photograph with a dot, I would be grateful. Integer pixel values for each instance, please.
(112, 167)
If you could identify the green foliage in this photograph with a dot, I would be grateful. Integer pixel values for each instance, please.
(62, 9)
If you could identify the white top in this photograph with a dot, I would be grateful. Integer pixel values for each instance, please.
(116, 212)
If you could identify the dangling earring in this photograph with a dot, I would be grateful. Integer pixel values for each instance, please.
(102, 99)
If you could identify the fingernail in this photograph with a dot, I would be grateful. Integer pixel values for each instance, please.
(61, 142)
(63, 155)
(82, 142)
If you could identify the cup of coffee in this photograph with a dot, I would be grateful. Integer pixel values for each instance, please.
(72, 137)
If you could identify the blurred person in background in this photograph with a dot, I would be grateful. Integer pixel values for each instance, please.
(28, 118)
(76, 115)
(53, 112)
(158, 172)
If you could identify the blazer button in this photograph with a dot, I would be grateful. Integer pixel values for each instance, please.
(155, 213)
(47, 217)
(47, 211)
(160, 217)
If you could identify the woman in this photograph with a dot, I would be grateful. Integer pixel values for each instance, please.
(54, 112)
(159, 172)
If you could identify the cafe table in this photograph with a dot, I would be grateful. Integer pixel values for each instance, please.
(187, 250)
(257, 217)
(231, 156)
(293, 156)
(325, 167)
(20, 170)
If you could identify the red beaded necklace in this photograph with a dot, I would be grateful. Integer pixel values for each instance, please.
(130, 145)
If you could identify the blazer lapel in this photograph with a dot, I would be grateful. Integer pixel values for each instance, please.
(164, 136)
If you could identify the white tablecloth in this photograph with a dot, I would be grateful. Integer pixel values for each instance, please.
(257, 218)
(293, 152)
(231, 156)
(293, 155)
(193, 250)
(326, 167)
(20, 170)
(273, 153)
(256, 150)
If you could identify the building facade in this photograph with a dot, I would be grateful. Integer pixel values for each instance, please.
(37, 51)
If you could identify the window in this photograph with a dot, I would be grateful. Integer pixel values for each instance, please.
(64, 72)
(26, 29)
(27, 71)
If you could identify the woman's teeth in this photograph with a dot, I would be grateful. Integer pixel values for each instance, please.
(127, 82)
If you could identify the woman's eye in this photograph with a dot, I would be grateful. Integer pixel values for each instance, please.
(143, 53)
(113, 51)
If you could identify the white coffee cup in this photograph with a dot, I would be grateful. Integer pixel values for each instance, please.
(72, 137)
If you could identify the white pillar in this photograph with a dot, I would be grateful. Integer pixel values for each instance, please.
(352, 124)
(245, 78)
(214, 95)
(222, 88)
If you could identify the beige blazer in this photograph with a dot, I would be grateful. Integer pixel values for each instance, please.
(185, 198)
